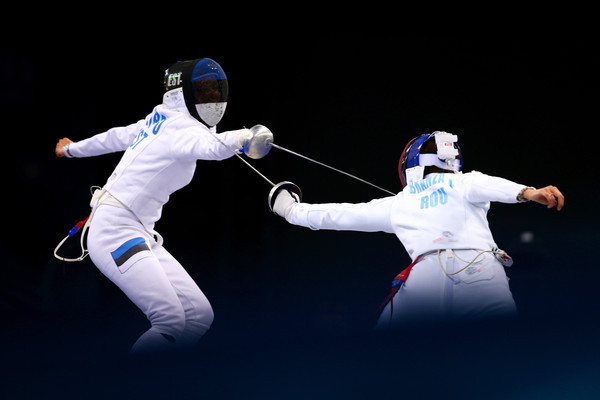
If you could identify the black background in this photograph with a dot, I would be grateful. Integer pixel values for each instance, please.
(294, 308)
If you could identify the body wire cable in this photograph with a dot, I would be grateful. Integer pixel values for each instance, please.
(81, 224)
(298, 155)
(235, 153)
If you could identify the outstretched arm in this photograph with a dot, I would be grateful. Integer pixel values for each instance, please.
(113, 140)
(549, 196)
(372, 216)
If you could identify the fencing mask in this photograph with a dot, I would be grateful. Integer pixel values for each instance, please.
(204, 85)
(413, 162)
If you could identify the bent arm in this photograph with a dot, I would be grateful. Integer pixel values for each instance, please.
(484, 188)
(206, 145)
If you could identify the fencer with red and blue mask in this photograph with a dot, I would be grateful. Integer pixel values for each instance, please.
(441, 220)
(412, 163)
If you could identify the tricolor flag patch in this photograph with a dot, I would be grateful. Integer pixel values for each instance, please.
(128, 249)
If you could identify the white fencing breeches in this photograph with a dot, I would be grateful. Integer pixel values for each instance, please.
(436, 291)
(152, 279)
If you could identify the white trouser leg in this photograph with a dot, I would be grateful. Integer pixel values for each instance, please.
(151, 278)
(198, 313)
(419, 300)
(483, 291)
(451, 289)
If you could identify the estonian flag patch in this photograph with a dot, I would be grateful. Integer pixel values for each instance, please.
(128, 249)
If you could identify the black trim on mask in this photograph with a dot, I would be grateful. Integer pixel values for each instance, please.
(179, 75)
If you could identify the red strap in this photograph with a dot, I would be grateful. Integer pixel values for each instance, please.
(77, 226)
(397, 283)
(80, 223)
(387, 299)
(403, 276)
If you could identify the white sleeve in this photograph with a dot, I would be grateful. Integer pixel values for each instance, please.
(373, 216)
(113, 140)
(482, 188)
(195, 144)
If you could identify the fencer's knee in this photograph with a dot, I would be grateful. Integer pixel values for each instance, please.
(186, 327)
(206, 317)
(199, 322)
(196, 325)
(199, 311)
(172, 324)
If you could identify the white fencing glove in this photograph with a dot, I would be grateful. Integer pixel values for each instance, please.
(284, 201)
(282, 198)
(243, 138)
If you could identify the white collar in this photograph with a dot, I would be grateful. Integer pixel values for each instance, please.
(174, 100)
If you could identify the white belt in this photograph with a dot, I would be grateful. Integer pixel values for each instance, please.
(102, 196)
(501, 255)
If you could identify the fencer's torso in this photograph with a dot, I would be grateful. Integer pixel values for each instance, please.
(449, 211)
(160, 157)
(442, 211)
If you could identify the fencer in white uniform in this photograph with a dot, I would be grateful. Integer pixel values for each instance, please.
(160, 157)
(440, 218)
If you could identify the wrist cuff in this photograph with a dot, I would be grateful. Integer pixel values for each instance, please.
(520, 196)
(66, 150)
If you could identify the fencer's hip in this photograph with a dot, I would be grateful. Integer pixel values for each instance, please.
(110, 228)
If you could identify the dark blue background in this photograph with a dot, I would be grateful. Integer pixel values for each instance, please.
(294, 308)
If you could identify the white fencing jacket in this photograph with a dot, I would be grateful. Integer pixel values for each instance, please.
(160, 155)
(441, 211)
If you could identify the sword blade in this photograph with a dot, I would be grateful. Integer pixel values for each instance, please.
(330, 167)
